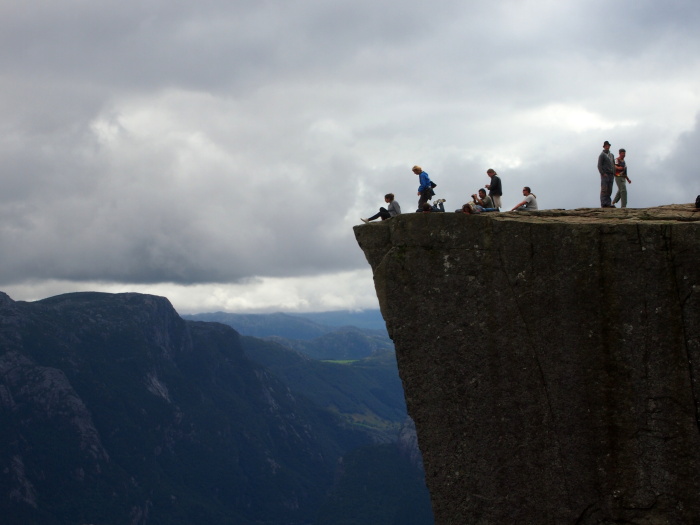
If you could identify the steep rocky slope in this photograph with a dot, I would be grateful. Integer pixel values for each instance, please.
(115, 410)
(550, 360)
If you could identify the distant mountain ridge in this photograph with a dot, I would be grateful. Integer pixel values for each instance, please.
(309, 336)
(308, 325)
(113, 409)
(130, 391)
(362, 319)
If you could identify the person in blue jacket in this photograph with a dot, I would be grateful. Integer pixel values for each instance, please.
(425, 190)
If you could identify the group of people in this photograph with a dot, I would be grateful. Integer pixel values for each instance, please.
(480, 203)
(611, 168)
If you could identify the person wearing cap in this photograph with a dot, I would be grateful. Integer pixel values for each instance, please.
(606, 168)
(425, 190)
(621, 179)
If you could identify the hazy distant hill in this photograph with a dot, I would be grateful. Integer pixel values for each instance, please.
(345, 343)
(265, 325)
(363, 319)
(295, 326)
(309, 336)
(113, 409)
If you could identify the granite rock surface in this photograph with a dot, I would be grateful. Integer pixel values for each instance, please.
(550, 360)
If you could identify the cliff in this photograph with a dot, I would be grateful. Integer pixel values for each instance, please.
(550, 360)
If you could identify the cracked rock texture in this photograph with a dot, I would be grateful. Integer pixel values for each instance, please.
(550, 360)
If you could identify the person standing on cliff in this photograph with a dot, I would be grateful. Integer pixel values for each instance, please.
(495, 191)
(621, 179)
(606, 168)
(425, 190)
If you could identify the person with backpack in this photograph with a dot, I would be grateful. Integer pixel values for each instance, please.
(621, 179)
(425, 187)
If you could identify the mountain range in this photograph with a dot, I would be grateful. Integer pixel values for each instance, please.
(114, 409)
(309, 337)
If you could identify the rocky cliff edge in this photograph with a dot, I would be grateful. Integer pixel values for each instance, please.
(549, 359)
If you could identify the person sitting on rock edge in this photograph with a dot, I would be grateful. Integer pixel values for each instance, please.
(530, 202)
(484, 201)
(481, 203)
(393, 210)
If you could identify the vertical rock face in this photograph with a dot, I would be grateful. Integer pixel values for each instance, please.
(550, 360)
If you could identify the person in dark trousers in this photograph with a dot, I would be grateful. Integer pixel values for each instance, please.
(425, 190)
(437, 206)
(386, 213)
(606, 168)
(495, 190)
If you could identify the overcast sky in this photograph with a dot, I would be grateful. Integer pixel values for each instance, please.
(218, 152)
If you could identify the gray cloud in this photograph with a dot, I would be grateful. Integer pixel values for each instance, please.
(152, 142)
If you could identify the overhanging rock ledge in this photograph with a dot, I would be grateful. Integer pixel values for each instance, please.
(550, 360)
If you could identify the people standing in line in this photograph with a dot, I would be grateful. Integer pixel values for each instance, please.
(495, 190)
(606, 168)
(530, 202)
(621, 179)
(425, 190)
(386, 213)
